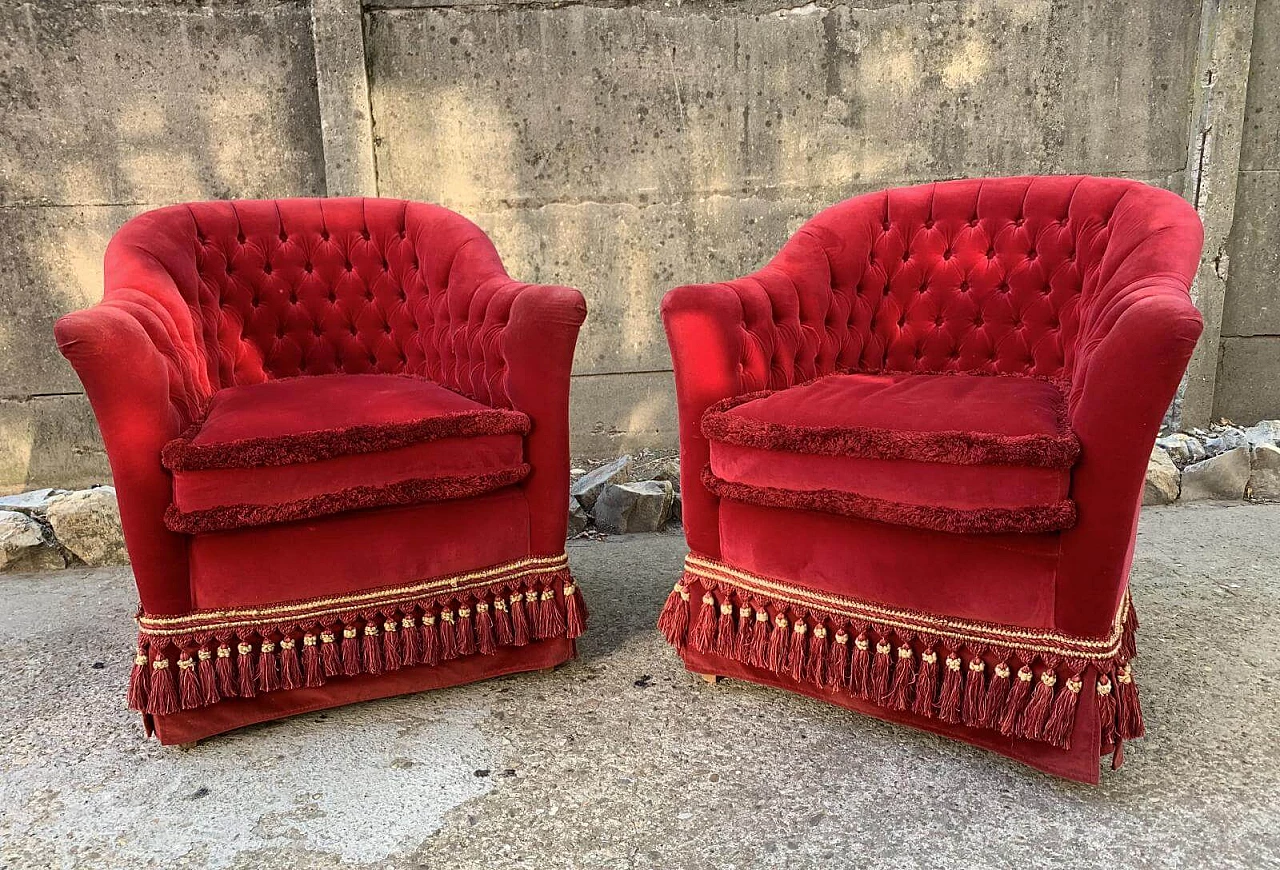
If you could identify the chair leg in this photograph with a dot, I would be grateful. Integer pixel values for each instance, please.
(188, 746)
(711, 678)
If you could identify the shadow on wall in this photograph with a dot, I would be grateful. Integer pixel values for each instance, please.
(112, 110)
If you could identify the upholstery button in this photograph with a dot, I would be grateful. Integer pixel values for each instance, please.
(973, 221)
(365, 235)
(1031, 254)
(906, 256)
(333, 297)
(348, 266)
(284, 237)
(991, 253)
(928, 225)
(1004, 287)
(977, 320)
(240, 238)
(964, 286)
(353, 329)
(946, 255)
(1018, 222)
(266, 267)
(307, 268)
(324, 235)
(937, 321)
(316, 330)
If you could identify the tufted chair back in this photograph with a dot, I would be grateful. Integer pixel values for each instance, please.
(250, 291)
(1011, 275)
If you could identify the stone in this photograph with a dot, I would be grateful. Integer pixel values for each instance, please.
(87, 524)
(677, 509)
(1163, 479)
(1182, 448)
(1263, 432)
(1264, 479)
(578, 518)
(665, 469)
(1223, 439)
(1224, 476)
(23, 546)
(34, 503)
(587, 488)
(634, 507)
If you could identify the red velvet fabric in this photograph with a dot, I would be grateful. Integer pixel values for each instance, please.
(999, 578)
(307, 447)
(315, 559)
(947, 452)
(207, 297)
(1083, 280)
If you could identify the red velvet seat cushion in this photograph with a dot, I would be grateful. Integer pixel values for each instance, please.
(299, 448)
(953, 453)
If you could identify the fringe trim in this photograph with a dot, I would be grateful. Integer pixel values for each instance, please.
(193, 661)
(1028, 519)
(1023, 683)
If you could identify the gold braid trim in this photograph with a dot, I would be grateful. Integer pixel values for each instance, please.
(319, 608)
(964, 631)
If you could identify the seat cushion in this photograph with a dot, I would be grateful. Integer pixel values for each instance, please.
(305, 447)
(953, 453)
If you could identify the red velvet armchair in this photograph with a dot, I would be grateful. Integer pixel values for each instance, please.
(913, 448)
(339, 435)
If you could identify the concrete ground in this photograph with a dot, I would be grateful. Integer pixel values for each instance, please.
(623, 759)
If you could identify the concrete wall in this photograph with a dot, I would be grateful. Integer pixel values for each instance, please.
(1248, 386)
(109, 109)
(619, 147)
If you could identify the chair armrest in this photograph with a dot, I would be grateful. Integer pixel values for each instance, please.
(143, 392)
(537, 348)
(1129, 365)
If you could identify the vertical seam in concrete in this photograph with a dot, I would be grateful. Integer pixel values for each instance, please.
(342, 86)
(368, 95)
(1213, 164)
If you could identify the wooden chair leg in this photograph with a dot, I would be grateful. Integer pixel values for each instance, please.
(711, 678)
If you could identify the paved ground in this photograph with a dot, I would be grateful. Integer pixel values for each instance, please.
(622, 759)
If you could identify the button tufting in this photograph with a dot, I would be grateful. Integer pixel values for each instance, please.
(307, 268)
(977, 320)
(266, 268)
(324, 235)
(240, 238)
(946, 255)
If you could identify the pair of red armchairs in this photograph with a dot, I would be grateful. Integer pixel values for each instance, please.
(913, 448)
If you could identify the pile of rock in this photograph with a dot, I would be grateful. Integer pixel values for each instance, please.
(625, 495)
(1224, 462)
(54, 528)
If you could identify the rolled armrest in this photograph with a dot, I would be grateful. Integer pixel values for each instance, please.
(140, 388)
(537, 347)
(1132, 363)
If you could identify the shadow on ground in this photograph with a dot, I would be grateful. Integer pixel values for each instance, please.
(623, 759)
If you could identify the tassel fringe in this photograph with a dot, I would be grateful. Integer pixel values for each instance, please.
(1027, 694)
(186, 671)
